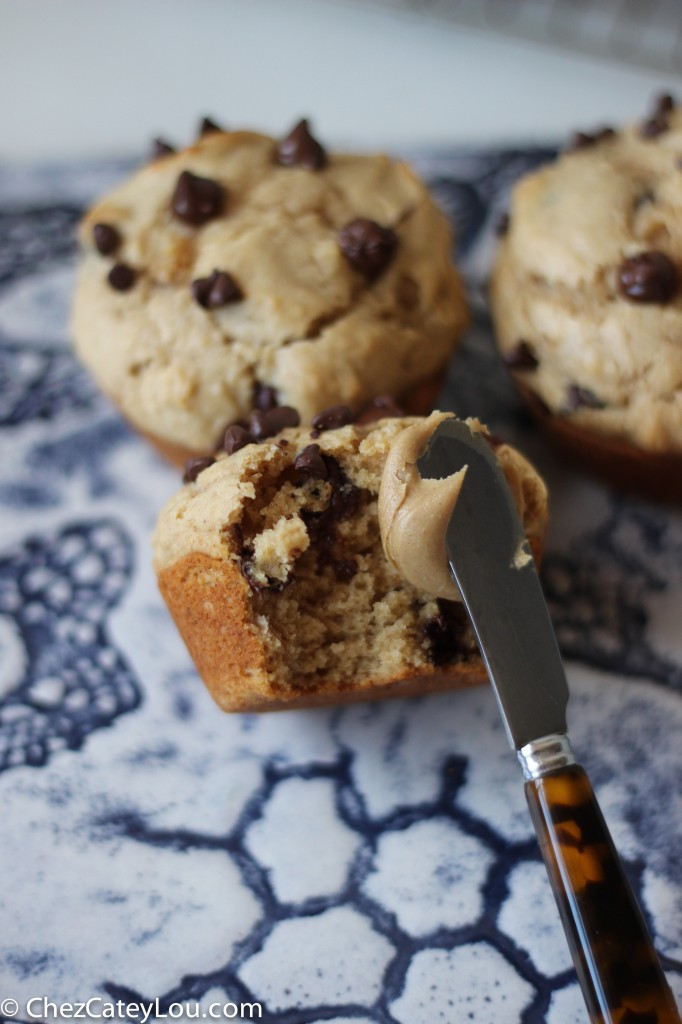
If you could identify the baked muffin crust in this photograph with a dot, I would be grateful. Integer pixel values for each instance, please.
(299, 307)
(271, 563)
(586, 290)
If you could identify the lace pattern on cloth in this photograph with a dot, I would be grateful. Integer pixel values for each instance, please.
(369, 863)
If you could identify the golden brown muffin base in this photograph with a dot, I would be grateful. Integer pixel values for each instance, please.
(612, 459)
(418, 401)
(209, 602)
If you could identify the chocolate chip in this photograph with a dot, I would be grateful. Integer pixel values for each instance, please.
(236, 437)
(382, 407)
(659, 120)
(121, 277)
(368, 247)
(300, 149)
(577, 397)
(331, 419)
(443, 633)
(584, 140)
(346, 496)
(161, 148)
(322, 525)
(195, 466)
(107, 238)
(654, 126)
(344, 500)
(310, 464)
(579, 140)
(267, 424)
(437, 634)
(257, 586)
(207, 127)
(197, 200)
(265, 397)
(648, 277)
(664, 103)
(219, 289)
(244, 549)
(501, 225)
(521, 357)
(344, 569)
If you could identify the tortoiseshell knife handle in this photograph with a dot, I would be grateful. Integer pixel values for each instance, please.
(618, 969)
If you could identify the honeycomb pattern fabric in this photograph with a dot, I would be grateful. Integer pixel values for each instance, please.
(370, 863)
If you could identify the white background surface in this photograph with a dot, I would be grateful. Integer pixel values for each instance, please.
(91, 77)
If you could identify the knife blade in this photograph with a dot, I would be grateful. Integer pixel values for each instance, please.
(617, 966)
(489, 554)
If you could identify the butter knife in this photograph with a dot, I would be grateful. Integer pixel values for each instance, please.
(619, 972)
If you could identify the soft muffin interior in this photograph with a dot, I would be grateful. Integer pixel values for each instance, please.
(326, 602)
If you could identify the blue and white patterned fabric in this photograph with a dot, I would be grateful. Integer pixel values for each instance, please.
(368, 864)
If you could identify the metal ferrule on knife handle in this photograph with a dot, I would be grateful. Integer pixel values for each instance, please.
(545, 755)
(618, 969)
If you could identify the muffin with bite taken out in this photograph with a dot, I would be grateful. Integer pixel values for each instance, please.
(272, 565)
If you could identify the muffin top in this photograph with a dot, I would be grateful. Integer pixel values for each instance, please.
(242, 262)
(310, 468)
(587, 290)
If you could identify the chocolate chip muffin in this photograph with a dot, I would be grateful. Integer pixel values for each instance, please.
(271, 562)
(586, 296)
(245, 266)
